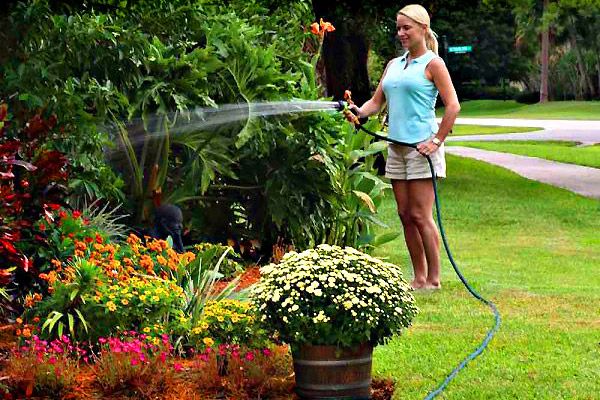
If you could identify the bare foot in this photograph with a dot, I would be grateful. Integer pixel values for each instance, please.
(432, 286)
(418, 284)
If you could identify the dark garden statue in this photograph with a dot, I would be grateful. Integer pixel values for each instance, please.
(168, 221)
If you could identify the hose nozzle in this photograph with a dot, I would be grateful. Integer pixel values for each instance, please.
(342, 105)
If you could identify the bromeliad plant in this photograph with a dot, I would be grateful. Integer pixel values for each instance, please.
(334, 296)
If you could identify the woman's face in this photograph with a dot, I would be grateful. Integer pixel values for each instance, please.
(409, 31)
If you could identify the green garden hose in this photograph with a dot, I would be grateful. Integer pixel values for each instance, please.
(494, 329)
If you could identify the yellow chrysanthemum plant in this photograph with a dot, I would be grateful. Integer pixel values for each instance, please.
(334, 296)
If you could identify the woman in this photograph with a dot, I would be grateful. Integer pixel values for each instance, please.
(410, 85)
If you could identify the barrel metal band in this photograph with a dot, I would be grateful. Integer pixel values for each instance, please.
(333, 363)
(312, 386)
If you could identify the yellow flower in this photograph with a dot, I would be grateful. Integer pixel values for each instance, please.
(155, 298)
(208, 341)
(111, 306)
(124, 302)
(220, 318)
(196, 331)
(143, 297)
(204, 325)
(147, 329)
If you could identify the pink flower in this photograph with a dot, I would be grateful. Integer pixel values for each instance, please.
(52, 360)
(101, 340)
(163, 357)
(249, 356)
(135, 361)
(177, 367)
(267, 352)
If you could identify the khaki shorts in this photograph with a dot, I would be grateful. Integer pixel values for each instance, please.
(406, 163)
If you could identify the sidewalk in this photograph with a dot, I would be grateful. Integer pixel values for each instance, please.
(578, 179)
(585, 132)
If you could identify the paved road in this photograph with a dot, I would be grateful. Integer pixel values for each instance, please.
(585, 132)
(578, 179)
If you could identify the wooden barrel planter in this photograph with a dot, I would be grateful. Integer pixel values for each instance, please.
(330, 372)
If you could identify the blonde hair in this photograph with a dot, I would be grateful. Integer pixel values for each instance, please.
(419, 14)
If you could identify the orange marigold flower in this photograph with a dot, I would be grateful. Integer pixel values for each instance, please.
(36, 320)
(80, 245)
(26, 332)
(133, 239)
(19, 321)
(18, 332)
(146, 262)
(37, 297)
(173, 254)
(161, 260)
(79, 253)
(43, 276)
(28, 303)
(56, 263)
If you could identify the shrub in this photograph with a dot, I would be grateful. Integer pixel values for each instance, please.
(46, 368)
(334, 296)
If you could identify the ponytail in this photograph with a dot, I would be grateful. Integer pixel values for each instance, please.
(431, 40)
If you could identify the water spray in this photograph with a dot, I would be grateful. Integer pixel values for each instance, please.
(344, 107)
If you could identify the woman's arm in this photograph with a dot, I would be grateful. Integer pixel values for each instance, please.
(375, 103)
(441, 78)
(437, 72)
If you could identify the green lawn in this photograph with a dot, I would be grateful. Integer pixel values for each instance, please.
(534, 250)
(461, 130)
(512, 109)
(566, 152)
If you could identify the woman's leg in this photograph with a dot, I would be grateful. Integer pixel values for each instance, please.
(411, 234)
(420, 201)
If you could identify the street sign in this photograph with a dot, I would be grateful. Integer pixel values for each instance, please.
(460, 49)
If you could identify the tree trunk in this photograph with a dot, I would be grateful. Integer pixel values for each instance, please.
(346, 66)
(345, 53)
(544, 60)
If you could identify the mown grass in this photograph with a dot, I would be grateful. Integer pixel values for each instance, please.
(566, 152)
(534, 250)
(461, 130)
(512, 109)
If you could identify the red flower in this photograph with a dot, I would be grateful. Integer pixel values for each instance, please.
(42, 227)
(88, 239)
(76, 214)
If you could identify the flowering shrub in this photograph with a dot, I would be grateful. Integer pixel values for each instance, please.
(334, 296)
(251, 374)
(139, 301)
(48, 368)
(227, 322)
(62, 230)
(134, 361)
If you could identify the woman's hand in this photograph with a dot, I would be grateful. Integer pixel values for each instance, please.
(352, 116)
(427, 148)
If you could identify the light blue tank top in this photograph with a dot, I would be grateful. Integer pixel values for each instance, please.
(411, 99)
